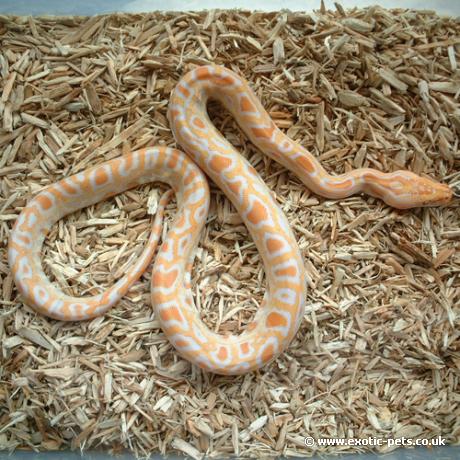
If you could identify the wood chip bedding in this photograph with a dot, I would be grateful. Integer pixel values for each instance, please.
(378, 350)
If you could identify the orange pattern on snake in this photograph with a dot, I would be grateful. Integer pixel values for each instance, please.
(279, 317)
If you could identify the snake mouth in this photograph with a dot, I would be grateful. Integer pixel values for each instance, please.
(443, 196)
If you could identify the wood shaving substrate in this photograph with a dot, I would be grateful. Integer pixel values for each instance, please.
(378, 352)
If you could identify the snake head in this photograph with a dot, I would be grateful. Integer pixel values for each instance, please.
(408, 190)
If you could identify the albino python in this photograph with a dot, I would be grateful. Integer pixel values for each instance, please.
(279, 317)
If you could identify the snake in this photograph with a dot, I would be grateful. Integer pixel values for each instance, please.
(207, 153)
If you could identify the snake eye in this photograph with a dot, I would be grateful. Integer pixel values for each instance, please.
(396, 185)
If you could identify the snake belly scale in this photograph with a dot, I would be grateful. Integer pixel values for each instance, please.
(277, 321)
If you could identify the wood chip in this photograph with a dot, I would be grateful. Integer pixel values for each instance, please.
(26, 118)
(186, 448)
(351, 99)
(358, 25)
(391, 78)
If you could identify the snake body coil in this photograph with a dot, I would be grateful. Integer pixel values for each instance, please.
(279, 317)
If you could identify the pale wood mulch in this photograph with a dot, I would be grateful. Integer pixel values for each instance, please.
(378, 350)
